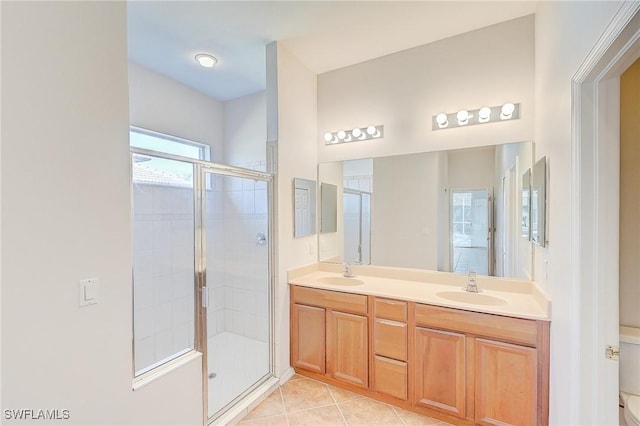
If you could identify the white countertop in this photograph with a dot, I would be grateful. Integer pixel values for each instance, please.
(515, 298)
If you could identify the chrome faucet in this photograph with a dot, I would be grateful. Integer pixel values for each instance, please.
(348, 273)
(472, 285)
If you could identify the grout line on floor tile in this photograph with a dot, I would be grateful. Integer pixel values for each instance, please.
(398, 414)
(337, 406)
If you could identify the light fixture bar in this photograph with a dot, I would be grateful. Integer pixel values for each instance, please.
(483, 115)
(354, 135)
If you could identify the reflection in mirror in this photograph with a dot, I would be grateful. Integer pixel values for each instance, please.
(538, 202)
(526, 204)
(398, 211)
(329, 208)
(304, 207)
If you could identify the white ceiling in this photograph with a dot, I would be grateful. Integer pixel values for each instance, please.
(324, 35)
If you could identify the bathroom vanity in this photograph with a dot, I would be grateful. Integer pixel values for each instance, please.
(415, 339)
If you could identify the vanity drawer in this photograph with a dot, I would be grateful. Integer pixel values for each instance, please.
(390, 377)
(345, 302)
(390, 339)
(390, 309)
(505, 328)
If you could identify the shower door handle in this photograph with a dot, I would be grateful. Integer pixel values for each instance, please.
(205, 297)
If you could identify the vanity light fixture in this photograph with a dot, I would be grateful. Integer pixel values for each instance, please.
(486, 114)
(506, 112)
(206, 60)
(355, 134)
(463, 117)
(441, 120)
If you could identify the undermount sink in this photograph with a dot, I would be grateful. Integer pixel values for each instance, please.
(340, 281)
(473, 298)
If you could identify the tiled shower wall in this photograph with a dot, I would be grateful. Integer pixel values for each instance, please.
(163, 262)
(237, 267)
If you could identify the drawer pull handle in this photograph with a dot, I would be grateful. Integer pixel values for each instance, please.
(392, 323)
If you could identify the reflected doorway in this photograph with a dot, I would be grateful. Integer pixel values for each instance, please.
(471, 236)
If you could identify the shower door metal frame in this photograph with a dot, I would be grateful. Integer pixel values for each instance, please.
(202, 169)
(360, 194)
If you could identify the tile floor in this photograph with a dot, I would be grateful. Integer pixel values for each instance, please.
(304, 401)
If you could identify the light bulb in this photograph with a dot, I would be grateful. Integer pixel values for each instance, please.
(484, 114)
(206, 60)
(441, 119)
(507, 111)
(463, 117)
(328, 137)
(372, 131)
(356, 133)
(342, 135)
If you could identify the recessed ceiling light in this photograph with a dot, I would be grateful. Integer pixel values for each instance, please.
(206, 60)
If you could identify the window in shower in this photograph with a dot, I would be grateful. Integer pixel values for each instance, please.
(154, 141)
(163, 260)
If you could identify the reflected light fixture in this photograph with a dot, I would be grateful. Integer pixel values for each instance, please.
(206, 60)
(485, 114)
(355, 134)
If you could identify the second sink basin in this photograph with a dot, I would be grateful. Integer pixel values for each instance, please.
(472, 298)
(340, 281)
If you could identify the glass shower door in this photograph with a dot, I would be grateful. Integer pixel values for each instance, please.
(236, 275)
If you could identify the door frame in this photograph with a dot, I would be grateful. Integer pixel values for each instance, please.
(201, 170)
(595, 207)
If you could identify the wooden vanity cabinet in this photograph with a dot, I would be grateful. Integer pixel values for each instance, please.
(460, 366)
(487, 369)
(329, 334)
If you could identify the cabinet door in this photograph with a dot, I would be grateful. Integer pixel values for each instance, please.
(506, 384)
(308, 338)
(347, 348)
(440, 370)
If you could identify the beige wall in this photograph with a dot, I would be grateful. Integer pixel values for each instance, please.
(245, 131)
(66, 199)
(163, 105)
(402, 91)
(630, 196)
(297, 158)
(565, 33)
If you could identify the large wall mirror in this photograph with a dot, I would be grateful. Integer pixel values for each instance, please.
(539, 202)
(446, 210)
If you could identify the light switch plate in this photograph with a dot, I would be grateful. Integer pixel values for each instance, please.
(88, 292)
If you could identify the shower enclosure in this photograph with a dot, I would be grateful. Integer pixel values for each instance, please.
(357, 226)
(203, 272)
